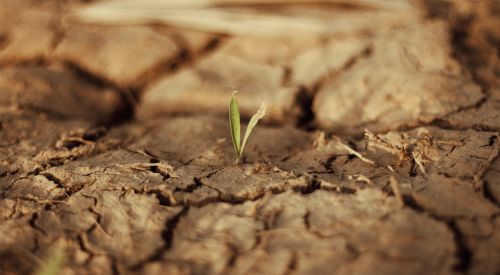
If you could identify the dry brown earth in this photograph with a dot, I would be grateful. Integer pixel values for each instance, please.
(378, 155)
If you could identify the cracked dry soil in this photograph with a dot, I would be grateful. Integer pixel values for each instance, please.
(114, 142)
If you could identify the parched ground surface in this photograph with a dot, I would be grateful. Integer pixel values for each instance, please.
(378, 154)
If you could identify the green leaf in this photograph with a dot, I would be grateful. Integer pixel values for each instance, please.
(54, 263)
(234, 123)
(253, 121)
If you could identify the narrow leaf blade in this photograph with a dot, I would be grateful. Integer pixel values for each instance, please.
(253, 121)
(55, 261)
(234, 123)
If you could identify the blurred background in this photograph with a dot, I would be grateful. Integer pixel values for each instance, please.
(337, 65)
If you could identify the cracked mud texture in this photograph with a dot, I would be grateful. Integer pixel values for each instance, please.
(379, 153)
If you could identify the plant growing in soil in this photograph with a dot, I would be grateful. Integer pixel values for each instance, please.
(234, 124)
(53, 264)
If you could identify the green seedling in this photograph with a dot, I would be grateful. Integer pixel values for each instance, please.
(54, 262)
(234, 124)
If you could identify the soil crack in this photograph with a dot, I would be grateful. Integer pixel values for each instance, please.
(463, 253)
(167, 235)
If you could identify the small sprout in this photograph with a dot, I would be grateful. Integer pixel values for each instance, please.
(234, 124)
(54, 262)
